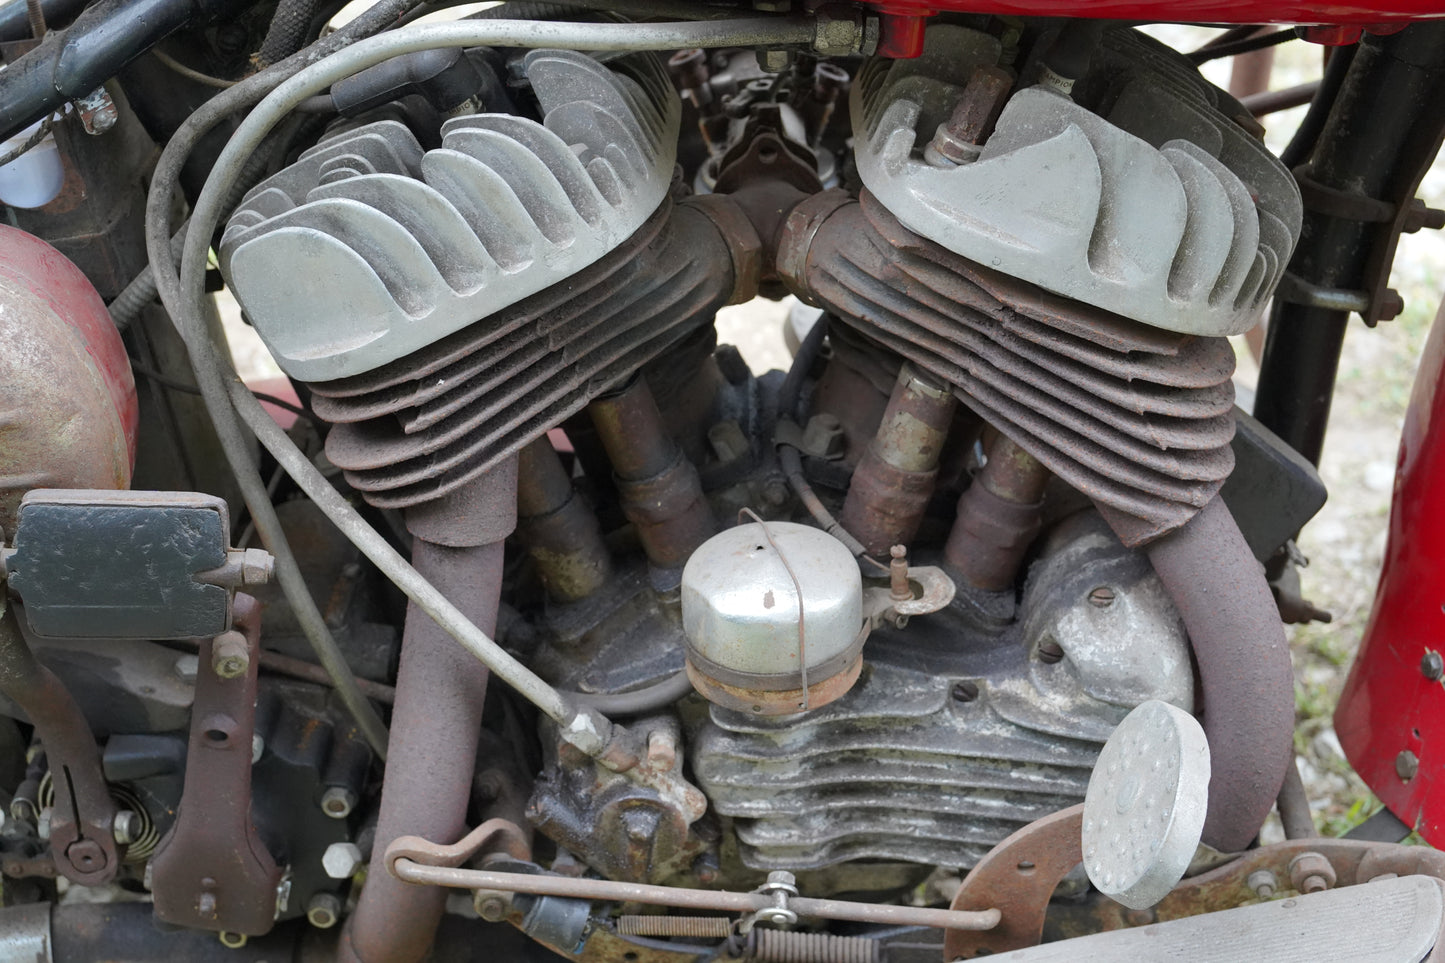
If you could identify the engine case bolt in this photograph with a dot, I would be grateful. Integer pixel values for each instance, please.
(1263, 883)
(230, 656)
(1102, 597)
(964, 691)
(341, 860)
(1407, 764)
(127, 827)
(1432, 666)
(338, 802)
(323, 910)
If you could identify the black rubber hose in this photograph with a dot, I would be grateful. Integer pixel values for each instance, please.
(71, 63)
(15, 25)
(288, 31)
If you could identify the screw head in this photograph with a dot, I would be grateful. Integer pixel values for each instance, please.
(1102, 597)
(1407, 764)
(964, 691)
(1432, 666)
(1050, 652)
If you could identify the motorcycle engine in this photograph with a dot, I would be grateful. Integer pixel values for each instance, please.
(871, 615)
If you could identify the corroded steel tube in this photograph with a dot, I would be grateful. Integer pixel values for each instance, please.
(659, 488)
(440, 688)
(998, 517)
(559, 530)
(894, 480)
(1244, 666)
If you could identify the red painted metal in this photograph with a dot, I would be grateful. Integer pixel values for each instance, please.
(1383, 16)
(27, 261)
(1390, 705)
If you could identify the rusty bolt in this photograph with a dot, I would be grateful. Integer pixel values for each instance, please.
(1263, 883)
(1311, 873)
(341, 860)
(1407, 764)
(1432, 666)
(127, 827)
(661, 750)
(899, 589)
(958, 139)
(323, 910)
(492, 906)
(1050, 652)
(338, 802)
(1420, 216)
(230, 656)
(1102, 597)
(86, 855)
(964, 691)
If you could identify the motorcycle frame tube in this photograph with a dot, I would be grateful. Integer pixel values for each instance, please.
(436, 722)
(1378, 140)
(1391, 714)
(1244, 668)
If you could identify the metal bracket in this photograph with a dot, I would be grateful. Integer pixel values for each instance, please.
(211, 871)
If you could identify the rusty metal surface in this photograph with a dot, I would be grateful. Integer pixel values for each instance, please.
(211, 871)
(1244, 669)
(628, 818)
(428, 423)
(404, 867)
(659, 488)
(1136, 418)
(1017, 877)
(895, 478)
(82, 842)
(440, 689)
(67, 399)
(559, 530)
(494, 835)
(998, 517)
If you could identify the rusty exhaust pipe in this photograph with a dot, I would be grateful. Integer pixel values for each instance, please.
(437, 721)
(1244, 665)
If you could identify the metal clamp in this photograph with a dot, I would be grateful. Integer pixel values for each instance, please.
(781, 885)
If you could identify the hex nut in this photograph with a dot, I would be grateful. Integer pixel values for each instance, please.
(1311, 873)
(341, 860)
(492, 906)
(257, 567)
(1263, 883)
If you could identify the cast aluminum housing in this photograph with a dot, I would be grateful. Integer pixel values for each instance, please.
(403, 246)
(1140, 194)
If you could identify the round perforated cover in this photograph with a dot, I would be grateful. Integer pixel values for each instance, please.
(1144, 810)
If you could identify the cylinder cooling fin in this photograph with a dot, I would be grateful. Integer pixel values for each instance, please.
(416, 244)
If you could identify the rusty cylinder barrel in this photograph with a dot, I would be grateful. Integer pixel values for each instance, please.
(659, 488)
(559, 530)
(894, 480)
(998, 517)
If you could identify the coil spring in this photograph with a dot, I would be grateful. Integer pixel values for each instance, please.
(780, 946)
(696, 927)
(150, 835)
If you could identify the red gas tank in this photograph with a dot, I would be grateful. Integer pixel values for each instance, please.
(67, 397)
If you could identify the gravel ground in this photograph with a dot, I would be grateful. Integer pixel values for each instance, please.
(1344, 544)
